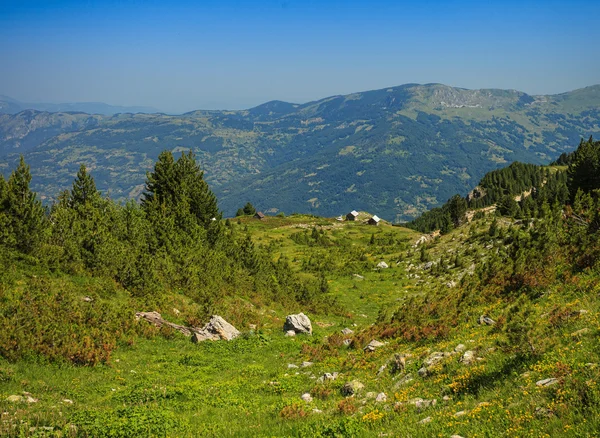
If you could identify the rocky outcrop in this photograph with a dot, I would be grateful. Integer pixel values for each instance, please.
(298, 323)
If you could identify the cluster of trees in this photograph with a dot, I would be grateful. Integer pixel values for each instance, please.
(522, 190)
(174, 240)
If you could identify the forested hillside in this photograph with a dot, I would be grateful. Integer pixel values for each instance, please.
(395, 152)
(490, 329)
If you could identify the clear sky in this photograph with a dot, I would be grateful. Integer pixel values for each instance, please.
(183, 55)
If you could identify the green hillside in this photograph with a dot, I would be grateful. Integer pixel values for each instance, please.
(396, 152)
(491, 328)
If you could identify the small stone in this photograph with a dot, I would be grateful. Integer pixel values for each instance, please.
(547, 382)
(425, 420)
(15, 399)
(421, 404)
(403, 381)
(381, 397)
(327, 376)
(347, 331)
(456, 436)
(578, 333)
(434, 359)
(87, 299)
(290, 333)
(347, 342)
(352, 388)
(381, 370)
(370, 394)
(373, 345)
(291, 365)
(317, 411)
(382, 265)
(484, 319)
(460, 348)
(68, 401)
(469, 357)
(360, 277)
(446, 398)
(422, 372)
(542, 412)
(460, 413)
(306, 364)
(306, 397)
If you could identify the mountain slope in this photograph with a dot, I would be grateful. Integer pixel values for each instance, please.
(9, 105)
(395, 152)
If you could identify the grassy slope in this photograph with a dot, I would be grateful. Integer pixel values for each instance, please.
(159, 386)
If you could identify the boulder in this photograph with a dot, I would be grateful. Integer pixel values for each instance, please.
(373, 345)
(217, 328)
(298, 323)
(352, 388)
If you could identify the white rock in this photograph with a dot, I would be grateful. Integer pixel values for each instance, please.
(291, 365)
(547, 382)
(306, 364)
(299, 323)
(290, 333)
(307, 397)
(347, 331)
(425, 420)
(382, 265)
(373, 345)
(381, 397)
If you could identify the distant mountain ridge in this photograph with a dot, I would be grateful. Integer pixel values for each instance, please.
(9, 105)
(395, 152)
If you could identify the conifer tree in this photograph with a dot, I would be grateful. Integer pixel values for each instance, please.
(584, 169)
(84, 189)
(25, 214)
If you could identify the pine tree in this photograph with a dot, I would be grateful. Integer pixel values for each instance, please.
(84, 189)
(24, 211)
(584, 169)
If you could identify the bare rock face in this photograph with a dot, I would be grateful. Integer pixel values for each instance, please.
(298, 323)
(216, 329)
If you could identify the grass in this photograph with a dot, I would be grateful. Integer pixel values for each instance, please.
(167, 386)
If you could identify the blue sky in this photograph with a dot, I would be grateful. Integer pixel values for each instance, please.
(183, 55)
